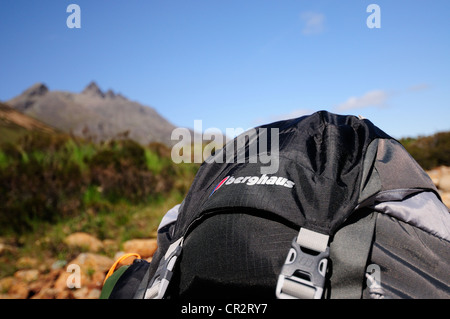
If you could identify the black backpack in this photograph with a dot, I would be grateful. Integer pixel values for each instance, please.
(341, 210)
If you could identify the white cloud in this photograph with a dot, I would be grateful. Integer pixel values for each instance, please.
(419, 87)
(375, 98)
(314, 23)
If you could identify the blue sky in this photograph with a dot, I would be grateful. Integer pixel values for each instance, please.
(237, 64)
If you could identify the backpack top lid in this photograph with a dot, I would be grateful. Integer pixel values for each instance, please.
(326, 166)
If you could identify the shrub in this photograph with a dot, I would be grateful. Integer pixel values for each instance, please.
(52, 177)
(429, 151)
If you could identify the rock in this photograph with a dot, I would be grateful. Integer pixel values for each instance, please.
(27, 262)
(43, 287)
(81, 293)
(93, 269)
(93, 89)
(93, 261)
(27, 275)
(19, 290)
(94, 294)
(444, 183)
(437, 173)
(6, 283)
(61, 282)
(441, 178)
(52, 293)
(58, 264)
(110, 94)
(110, 244)
(84, 240)
(86, 293)
(144, 247)
(446, 199)
(48, 279)
(5, 248)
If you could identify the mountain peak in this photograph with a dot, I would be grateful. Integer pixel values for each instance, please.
(93, 89)
(36, 89)
(110, 94)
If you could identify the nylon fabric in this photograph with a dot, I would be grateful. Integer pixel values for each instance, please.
(398, 170)
(423, 210)
(109, 283)
(234, 255)
(413, 263)
(129, 281)
(322, 154)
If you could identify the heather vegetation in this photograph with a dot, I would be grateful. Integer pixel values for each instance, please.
(52, 178)
(429, 151)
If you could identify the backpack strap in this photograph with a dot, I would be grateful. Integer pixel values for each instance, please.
(350, 253)
(163, 275)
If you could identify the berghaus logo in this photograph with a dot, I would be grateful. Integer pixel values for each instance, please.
(255, 180)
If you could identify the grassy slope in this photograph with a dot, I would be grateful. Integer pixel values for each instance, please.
(14, 125)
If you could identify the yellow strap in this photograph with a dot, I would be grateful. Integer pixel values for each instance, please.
(118, 261)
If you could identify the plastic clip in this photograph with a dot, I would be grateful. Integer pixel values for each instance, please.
(303, 273)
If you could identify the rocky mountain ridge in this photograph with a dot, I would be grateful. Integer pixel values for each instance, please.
(94, 114)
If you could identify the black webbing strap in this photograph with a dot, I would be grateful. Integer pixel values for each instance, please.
(349, 253)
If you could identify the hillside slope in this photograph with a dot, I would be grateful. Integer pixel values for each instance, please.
(14, 124)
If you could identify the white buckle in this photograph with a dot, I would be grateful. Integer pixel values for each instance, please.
(303, 273)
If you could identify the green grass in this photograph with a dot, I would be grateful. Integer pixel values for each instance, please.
(4, 160)
(154, 163)
(79, 154)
